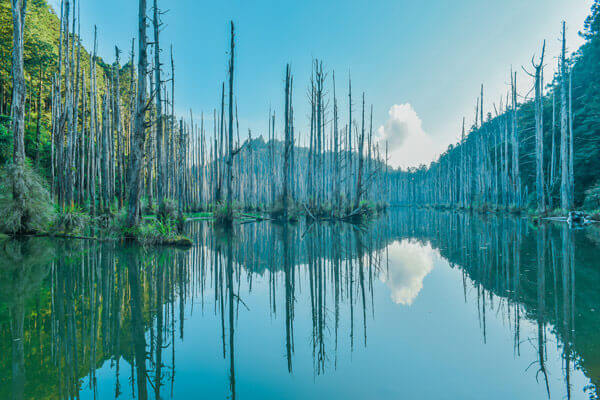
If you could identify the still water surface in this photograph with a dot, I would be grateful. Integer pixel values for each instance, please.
(417, 304)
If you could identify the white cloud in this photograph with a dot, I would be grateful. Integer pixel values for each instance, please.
(409, 264)
(408, 144)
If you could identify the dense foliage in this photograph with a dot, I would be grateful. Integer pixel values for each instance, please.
(41, 55)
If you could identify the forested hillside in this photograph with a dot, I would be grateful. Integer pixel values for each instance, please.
(486, 170)
(41, 41)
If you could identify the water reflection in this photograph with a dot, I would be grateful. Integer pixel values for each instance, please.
(409, 263)
(70, 310)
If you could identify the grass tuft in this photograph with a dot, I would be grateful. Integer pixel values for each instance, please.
(35, 214)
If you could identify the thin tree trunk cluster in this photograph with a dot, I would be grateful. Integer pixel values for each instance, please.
(485, 169)
(116, 142)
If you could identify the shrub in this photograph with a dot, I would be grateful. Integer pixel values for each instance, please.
(158, 232)
(221, 215)
(592, 198)
(36, 214)
(365, 210)
(147, 206)
(293, 213)
(72, 220)
(167, 210)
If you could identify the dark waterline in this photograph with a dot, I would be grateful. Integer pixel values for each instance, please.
(417, 304)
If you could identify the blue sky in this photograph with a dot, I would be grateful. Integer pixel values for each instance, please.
(420, 64)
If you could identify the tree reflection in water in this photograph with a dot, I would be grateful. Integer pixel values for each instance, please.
(69, 307)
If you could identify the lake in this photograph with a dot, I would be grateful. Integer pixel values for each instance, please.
(417, 304)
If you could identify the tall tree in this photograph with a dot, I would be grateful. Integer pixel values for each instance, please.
(361, 141)
(160, 178)
(230, 127)
(18, 108)
(287, 144)
(565, 198)
(539, 132)
(137, 145)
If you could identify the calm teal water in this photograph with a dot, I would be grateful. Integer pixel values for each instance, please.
(417, 304)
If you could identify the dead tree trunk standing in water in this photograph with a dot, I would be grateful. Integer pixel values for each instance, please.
(539, 132)
(181, 169)
(117, 125)
(93, 130)
(171, 164)
(38, 117)
(565, 195)
(230, 131)
(160, 172)
(218, 160)
(336, 155)
(552, 150)
(515, 145)
(137, 145)
(571, 154)
(361, 141)
(104, 160)
(287, 145)
(18, 109)
(350, 175)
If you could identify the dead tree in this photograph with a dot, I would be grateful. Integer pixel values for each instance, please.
(565, 195)
(539, 132)
(361, 141)
(230, 128)
(160, 170)
(336, 153)
(287, 145)
(18, 108)
(136, 156)
(516, 175)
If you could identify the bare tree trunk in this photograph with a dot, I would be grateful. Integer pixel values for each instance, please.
(137, 146)
(93, 129)
(287, 145)
(571, 139)
(181, 171)
(336, 154)
(350, 177)
(172, 124)
(38, 117)
(82, 150)
(463, 167)
(361, 140)
(105, 155)
(230, 128)
(117, 121)
(75, 133)
(565, 201)
(18, 108)
(159, 116)
(539, 133)
(552, 151)
(515, 145)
